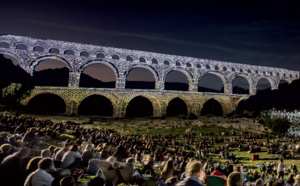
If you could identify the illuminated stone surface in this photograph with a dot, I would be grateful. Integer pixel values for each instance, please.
(30, 51)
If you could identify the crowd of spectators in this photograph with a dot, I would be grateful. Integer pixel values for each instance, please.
(40, 152)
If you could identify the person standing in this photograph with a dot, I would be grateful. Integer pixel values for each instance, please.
(280, 170)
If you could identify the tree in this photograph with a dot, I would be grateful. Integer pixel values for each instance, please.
(14, 93)
(278, 126)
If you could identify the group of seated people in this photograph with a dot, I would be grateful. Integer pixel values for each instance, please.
(26, 158)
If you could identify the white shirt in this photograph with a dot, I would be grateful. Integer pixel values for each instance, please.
(40, 177)
(69, 158)
(60, 154)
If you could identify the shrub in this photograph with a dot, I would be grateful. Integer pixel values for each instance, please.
(278, 126)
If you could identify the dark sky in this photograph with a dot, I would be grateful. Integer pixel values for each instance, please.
(257, 32)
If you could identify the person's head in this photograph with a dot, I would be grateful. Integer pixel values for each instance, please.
(194, 168)
(259, 182)
(169, 166)
(5, 148)
(271, 183)
(235, 179)
(45, 153)
(24, 152)
(89, 147)
(51, 148)
(73, 148)
(45, 164)
(297, 178)
(66, 146)
(111, 159)
(67, 181)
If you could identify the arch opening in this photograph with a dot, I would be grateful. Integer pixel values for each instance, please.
(140, 78)
(283, 84)
(240, 85)
(263, 85)
(210, 83)
(47, 103)
(212, 108)
(98, 75)
(176, 107)
(176, 80)
(21, 47)
(96, 105)
(139, 107)
(51, 72)
(38, 49)
(4, 45)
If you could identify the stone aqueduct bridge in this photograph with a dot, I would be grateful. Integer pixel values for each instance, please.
(30, 52)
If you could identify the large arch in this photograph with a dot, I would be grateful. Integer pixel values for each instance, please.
(176, 107)
(241, 84)
(211, 82)
(48, 103)
(139, 106)
(138, 78)
(212, 107)
(96, 105)
(98, 75)
(51, 72)
(100, 61)
(263, 84)
(283, 84)
(37, 60)
(13, 55)
(175, 82)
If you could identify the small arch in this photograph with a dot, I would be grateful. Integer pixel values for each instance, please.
(96, 105)
(233, 69)
(38, 49)
(188, 65)
(4, 45)
(154, 61)
(21, 47)
(256, 71)
(216, 68)
(198, 66)
(249, 71)
(54, 50)
(207, 67)
(101, 55)
(69, 52)
(48, 103)
(176, 107)
(84, 54)
(139, 106)
(166, 62)
(142, 60)
(115, 57)
(178, 64)
(129, 58)
(224, 68)
(212, 107)
(241, 70)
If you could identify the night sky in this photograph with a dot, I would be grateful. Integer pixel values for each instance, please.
(253, 32)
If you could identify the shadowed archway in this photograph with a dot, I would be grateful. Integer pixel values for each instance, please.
(140, 78)
(96, 105)
(212, 107)
(176, 107)
(139, 107)
(47, 103)
(240, 85)
(210, 83)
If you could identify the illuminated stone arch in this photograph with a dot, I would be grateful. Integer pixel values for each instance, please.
(99, 61)
(36, 61)
(111, 98)
(186, 99)
(247, 77)
(218, 74)
(184, 71)
(14, 55)
(156, 105)
(34, 94)
(226, 104)
(148, 67)
(273, 83)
